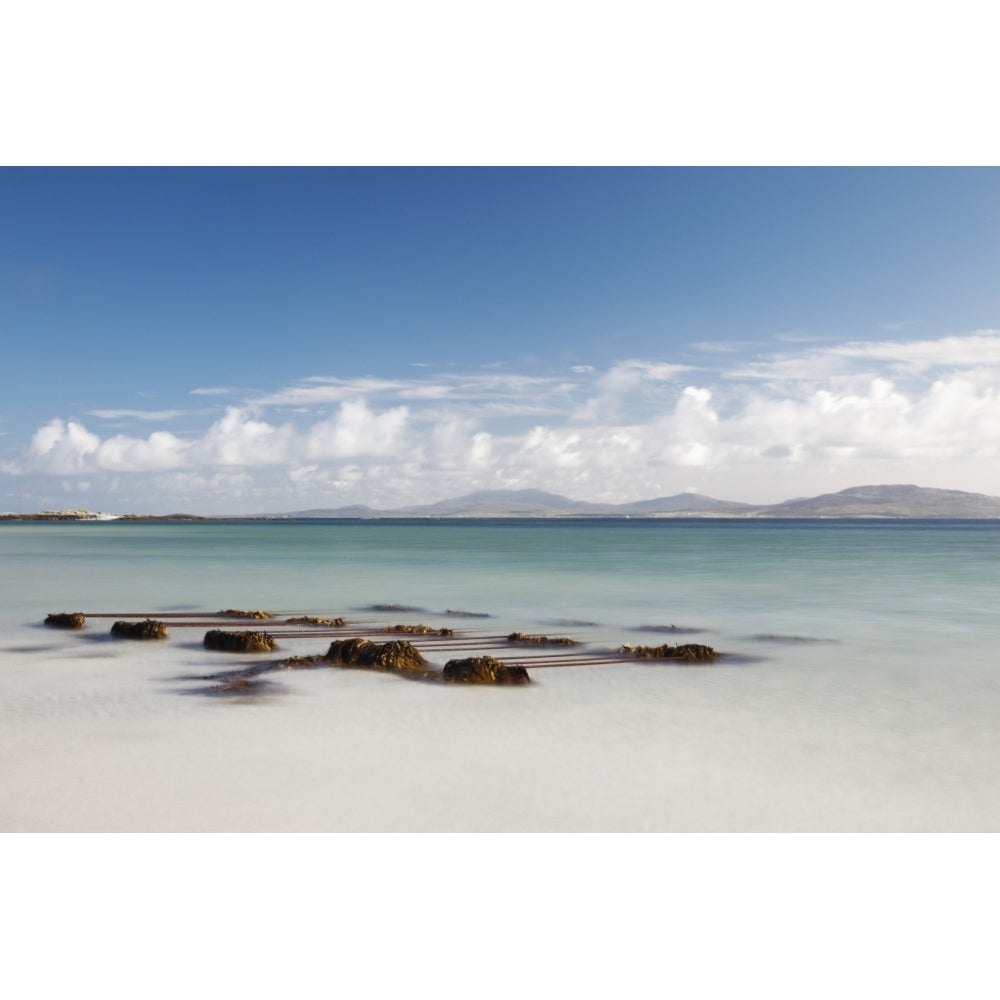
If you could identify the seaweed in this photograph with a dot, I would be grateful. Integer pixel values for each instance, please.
(520, 639)
(148, 629)
(419, 630)
(691, 652)
(484, 670)
(399, 657)
(66, 620)
(240, 642)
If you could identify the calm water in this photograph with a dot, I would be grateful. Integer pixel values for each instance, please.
(862, 693)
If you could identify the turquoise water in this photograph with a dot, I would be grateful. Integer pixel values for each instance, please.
(861, 691)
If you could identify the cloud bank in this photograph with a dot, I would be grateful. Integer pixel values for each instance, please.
(762, 430)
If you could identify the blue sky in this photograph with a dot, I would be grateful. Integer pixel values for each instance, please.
(236, 340)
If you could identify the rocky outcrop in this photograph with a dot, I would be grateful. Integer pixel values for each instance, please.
(419, 630)
(690, 652)
(65, 620)
(310, 620)
(148, 629)
(520, 639)
(236, 613)
(484, 670)
(240, 642)
(398, 657)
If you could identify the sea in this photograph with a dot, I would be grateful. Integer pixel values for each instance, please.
(858, 687)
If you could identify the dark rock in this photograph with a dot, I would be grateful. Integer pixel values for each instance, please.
(148, 629)
(690, 652)
(520, 639)
(419, 630)
(390, 657)
(240, 642)
(484, 670)
(467, 614)
(65, 620)
(298, 662)
(235, 613)
(309, 620)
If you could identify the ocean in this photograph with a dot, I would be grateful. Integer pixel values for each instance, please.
(859, 690)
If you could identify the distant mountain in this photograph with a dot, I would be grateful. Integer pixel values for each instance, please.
(682, 503)
(501, 503)
(355, 510)
(858, 501)
(533, 503)
(887, 501)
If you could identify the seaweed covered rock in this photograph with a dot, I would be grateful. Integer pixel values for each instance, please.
(484, 670)
(520, 639)
(148, 629)
(66, 620)
(236, 613)
(690, 652)
(312, 620)
(240, 642)
(391, 657)
(419, 630)
(298, 662)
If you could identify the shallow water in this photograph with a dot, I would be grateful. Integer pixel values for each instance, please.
(861, 692)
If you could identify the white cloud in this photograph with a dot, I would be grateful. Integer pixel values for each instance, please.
(62, 448)
(322, 389)
(135, 414)
(921, 411)
(239, 439)
(160, 450)
(356, 431)
(975, 350)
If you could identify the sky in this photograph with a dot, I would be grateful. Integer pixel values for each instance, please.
(243, 340)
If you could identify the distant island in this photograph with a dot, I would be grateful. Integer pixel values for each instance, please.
(857, 502)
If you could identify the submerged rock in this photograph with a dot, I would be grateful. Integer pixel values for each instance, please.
(240, 642)
(298, 663)
(669, 628)
(484, 670)
(236, 613)
(310, 620)
(66, 620)
(466, 614)
(689, 652)
(520, 639)
(419, 630)
(148, 629)
(390, 657)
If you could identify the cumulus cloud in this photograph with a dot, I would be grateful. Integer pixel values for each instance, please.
(62, 448)
(771, 427)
